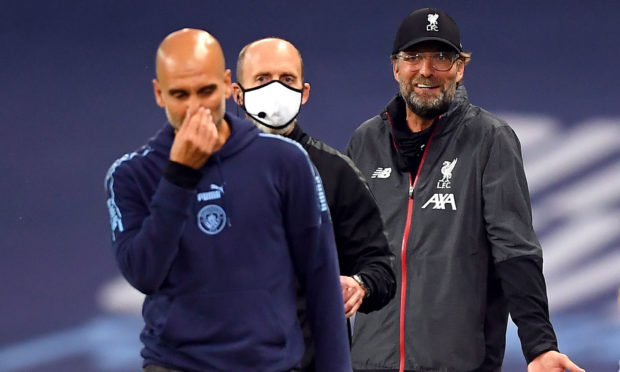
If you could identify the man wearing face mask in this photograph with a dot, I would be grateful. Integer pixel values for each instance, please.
(271, 90)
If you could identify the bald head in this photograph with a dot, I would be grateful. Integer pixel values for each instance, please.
(189, 49)
(191, 73)
(265, 61)
(275, 49)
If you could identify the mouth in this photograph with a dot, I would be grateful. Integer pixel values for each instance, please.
(426, 87)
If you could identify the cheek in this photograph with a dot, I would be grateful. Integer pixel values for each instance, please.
(216, 103)
(176, 111)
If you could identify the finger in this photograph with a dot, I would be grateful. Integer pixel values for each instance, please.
(201, 117)
(353, 309)
(565, 362)
(184, 123)
(200, 120)
(573, 367)
(211, 135)
(347, 293)
(209, 116)
(209, 123)
(354, 300)
(190, 122)
(349, 304)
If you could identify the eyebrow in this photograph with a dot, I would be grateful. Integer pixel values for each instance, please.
(208, 87)
(285, 73)
(174, 90)
(181, 90)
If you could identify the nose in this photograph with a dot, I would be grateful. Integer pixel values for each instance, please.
(427, 67)
(193, 104)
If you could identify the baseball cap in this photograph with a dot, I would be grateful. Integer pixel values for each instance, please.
(424, 25)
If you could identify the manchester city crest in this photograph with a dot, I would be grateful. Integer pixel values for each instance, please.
(211, 219)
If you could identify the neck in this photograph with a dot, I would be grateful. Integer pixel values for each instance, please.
(417, 123)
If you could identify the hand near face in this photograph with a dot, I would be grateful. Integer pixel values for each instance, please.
(196, 140)
(552, 361)
(353, 295)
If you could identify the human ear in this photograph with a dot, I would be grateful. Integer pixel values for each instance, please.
(237, 94)
(305, 93)
(157, 92)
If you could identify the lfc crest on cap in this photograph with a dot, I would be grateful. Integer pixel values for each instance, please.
(432, 22)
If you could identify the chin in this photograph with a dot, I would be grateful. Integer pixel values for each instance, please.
(280, 131)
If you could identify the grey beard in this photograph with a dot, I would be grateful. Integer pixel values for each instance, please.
(427, 110)
(281, 131)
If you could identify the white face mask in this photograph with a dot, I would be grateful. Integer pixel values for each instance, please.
(274, 104)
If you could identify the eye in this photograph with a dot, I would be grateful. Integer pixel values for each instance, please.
(445, 56)
(288, 79)
(178, 94)
(262, 79)
(412, 58)
(206, 91)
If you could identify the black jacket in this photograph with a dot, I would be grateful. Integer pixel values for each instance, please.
(362, 244)
(467, 254)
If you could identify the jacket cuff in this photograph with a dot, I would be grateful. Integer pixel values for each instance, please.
(182, 175)
(536, 351)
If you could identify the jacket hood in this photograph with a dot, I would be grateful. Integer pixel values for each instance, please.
(242, 133)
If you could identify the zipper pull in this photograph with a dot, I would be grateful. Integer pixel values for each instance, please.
(410, 191)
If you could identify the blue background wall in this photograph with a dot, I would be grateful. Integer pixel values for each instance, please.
(76, 94)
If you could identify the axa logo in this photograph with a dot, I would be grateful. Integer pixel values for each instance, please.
(381, 173)
(440, 201)
(446, 171)
(215, 193)
(432, 22)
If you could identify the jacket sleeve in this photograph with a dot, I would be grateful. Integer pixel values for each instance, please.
(362, 244)
(313, 249)
(351, 149)
(514, 246)
(146, 234)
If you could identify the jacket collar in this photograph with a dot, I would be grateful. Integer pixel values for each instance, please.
(298, 134)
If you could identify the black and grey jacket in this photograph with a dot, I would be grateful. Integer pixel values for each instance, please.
(466, 252)
(360, 238)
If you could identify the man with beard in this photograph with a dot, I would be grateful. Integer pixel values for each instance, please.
(218, 224)
(448, 177)
(271, 89)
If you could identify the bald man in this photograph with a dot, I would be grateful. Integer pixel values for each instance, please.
(216, 223)
(271, 89)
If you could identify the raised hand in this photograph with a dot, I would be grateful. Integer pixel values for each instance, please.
(196, 140)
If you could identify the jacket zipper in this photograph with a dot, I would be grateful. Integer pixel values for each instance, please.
(403, 250)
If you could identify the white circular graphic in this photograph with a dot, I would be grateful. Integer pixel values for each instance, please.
(211, 219)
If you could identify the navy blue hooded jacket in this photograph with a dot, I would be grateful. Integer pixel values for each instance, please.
(219, 264)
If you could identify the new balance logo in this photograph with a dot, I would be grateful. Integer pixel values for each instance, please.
(382, 173)
(440, 201)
